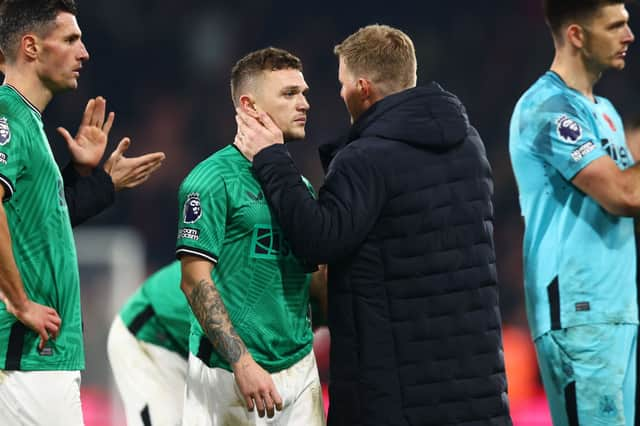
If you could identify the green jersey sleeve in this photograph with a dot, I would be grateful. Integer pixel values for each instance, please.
(202, 215)
(13, 147)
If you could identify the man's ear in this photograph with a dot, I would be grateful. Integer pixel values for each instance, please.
(29, 46)
(248, 105)
(364, 88)
(575, 35)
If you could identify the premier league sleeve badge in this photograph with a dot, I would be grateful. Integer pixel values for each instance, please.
(192, 210)
(5, 132)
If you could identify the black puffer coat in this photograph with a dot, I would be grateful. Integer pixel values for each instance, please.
(405, 222)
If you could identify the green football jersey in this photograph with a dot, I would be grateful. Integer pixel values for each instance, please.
(41, 238)
(225, 218)
(158, 312)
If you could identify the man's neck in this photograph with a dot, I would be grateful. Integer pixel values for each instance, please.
(29, 86)
(575, 73)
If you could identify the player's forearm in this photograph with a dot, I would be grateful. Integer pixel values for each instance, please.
(630, 204)
(209, 309)
(11, 285)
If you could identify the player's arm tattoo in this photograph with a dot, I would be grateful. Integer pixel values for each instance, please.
(209, 309)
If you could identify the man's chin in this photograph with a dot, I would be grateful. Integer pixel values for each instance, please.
(293, 136)
(618, 64)
(59, 88)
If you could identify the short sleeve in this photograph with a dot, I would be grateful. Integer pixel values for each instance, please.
(568, 143)
(13, 145)
(202, 201)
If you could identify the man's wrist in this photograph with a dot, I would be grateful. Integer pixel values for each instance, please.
(243, 362)
(17, 306)
(82, 170)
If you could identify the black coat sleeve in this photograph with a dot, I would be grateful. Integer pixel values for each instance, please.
(86, 196)
(333, 226)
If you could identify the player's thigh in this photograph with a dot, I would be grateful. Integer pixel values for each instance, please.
(149, 378)
(306, 407)
(584, 371)
(212, 398)
(163, 390)
(36, 398)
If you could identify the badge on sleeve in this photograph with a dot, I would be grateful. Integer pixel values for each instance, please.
(5, 132)
(192, 210)
(568, 130)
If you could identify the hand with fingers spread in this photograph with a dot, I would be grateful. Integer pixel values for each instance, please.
(256, 133)
(131, 172)
(87, 147)
(39, 318)
(257, 387)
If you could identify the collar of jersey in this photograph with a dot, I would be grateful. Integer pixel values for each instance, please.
(25, 100)
(554, 75)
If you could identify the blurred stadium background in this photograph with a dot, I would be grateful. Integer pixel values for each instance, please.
(163, 67)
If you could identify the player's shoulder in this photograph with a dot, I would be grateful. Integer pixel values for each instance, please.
(14, 104)
(549, 95)
(17, 116)
(213, 168)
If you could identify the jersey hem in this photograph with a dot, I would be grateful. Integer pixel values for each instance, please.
(51, 367)
(271, 368)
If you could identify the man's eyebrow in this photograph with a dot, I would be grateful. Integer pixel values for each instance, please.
(297, 88)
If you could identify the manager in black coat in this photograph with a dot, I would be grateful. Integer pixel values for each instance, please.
(405, 222)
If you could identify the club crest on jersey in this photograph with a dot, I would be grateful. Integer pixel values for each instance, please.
(5, 132)
(568, 130)
(192, 209)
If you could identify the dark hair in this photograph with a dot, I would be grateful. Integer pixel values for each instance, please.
(18, 17)
(268, 59)
(560, 12)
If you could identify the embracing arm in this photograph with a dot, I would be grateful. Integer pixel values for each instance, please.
(254, 382)
(327, 229)
(323, 230)
(41, 319)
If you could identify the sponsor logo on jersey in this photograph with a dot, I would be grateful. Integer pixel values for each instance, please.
(582, 151)
(192, 209)
(5, 132)
(3, 158)
(268, 243)
(189, 233)
(609, 122)
(568, 130)
(255, 197)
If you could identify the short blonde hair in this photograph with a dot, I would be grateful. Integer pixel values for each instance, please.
(383, 54)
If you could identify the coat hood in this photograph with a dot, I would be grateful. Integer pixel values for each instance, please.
(425, 116)
(428, 117)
